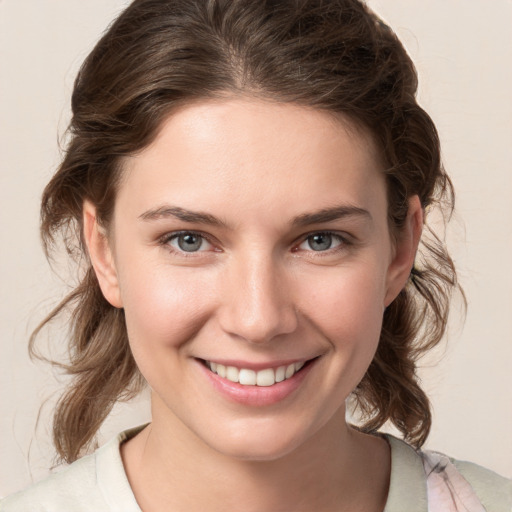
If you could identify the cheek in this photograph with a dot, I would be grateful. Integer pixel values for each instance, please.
(164, 307)
(348, 311)
(348, 300)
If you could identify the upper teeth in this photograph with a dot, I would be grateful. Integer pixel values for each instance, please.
(266, 377)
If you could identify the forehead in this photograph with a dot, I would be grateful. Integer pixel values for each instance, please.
(256, 155)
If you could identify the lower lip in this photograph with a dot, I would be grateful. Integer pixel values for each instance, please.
(257, 396)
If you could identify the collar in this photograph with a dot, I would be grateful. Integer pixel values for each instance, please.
(407, 486)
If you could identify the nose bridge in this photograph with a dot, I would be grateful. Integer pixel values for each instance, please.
(258, 304)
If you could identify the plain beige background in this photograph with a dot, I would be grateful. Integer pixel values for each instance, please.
(463, 51)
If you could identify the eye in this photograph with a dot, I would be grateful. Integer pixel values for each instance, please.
(188, 241)
(319, 242)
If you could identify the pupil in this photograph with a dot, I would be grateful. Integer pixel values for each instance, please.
(320, 242)
(189, 243)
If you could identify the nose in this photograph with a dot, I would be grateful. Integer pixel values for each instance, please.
(257, 301)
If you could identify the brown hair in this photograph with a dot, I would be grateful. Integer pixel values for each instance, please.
(333, 55)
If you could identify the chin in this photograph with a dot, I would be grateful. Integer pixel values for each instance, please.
(260, 450)
(258, 442)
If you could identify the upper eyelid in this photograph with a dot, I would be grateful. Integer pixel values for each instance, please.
(345, 243)
(346, 237)
(170, 235)
(173, 234)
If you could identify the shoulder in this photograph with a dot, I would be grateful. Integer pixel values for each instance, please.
(495, 491)
(96, 482)
(73, 488)
(469, 481)
(435, 478)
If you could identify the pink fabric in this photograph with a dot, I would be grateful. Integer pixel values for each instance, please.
(448, 490)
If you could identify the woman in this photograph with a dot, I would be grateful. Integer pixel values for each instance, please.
(248, 182)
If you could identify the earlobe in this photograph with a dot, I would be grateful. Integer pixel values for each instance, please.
(405, 251)
(100, 253)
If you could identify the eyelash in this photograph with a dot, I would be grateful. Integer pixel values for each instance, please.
(168, 237)
(342, 239)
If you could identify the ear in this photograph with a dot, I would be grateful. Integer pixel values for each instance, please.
(101, 255)
(406, 246)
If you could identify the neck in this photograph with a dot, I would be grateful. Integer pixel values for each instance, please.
(337, 468)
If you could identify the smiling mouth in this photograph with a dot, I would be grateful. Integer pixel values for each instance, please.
(264, 378)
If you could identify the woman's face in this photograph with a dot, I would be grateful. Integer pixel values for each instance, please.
(250, 242)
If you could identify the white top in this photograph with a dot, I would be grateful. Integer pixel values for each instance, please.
(98, 483)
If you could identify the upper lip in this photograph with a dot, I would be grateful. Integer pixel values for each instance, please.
(251, 365)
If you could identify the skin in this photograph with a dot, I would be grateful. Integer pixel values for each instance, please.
(256, 292)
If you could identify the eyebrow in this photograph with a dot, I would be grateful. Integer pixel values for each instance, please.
(330, 215)
(182, 214)
(305, 219)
